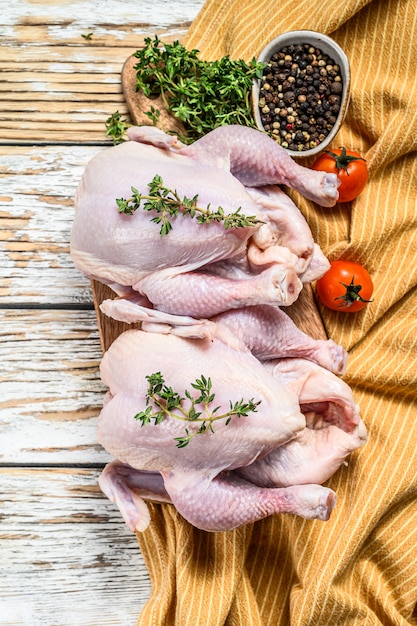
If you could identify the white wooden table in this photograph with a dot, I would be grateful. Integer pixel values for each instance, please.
(66, 557)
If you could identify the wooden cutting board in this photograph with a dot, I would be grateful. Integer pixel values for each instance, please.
(304, 312)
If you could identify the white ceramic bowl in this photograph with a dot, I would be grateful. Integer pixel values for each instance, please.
(327, 46)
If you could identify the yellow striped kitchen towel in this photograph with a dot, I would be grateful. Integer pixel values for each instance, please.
(360, 567)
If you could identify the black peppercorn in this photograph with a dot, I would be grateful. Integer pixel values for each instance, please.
(336, 87)
(333, 99)
(289, 97)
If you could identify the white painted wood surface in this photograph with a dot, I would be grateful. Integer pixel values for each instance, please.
(66, 556)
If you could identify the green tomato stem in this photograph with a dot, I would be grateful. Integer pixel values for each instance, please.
(343, 160)
(351, 295)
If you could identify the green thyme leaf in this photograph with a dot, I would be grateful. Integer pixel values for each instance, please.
(116, 127)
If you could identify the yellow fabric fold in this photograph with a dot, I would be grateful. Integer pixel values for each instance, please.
(360, 567)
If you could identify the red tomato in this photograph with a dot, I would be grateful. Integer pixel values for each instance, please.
(345, 287)
(351, 169)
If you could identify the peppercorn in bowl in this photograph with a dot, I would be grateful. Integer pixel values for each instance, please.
(302, 97)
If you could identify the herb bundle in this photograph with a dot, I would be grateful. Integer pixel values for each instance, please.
(202, 94)
(167, 203)
(169, 403)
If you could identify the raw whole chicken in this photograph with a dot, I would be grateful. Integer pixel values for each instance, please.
(198, 270)
(223, 479)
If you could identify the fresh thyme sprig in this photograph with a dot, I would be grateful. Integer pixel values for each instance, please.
(153, 114)
(169, 403)
(167, 204)
(202, 94)
(116, 127)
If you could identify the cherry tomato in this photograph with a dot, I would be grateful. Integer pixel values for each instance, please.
(346, 287)
(349, 166)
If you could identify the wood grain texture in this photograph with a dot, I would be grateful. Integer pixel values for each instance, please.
(66, 557)
(37, 187)
(46, 58)
(138, 104)
(109, 329)
(50, 387)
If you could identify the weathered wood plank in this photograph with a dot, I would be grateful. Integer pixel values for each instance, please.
(42, 107)
(82, 15)
(50, 387)
(129, 35)
(101, 73)
(66, 556)
(52, 136)
(45, 56)
(37, 187)
(84, 121)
